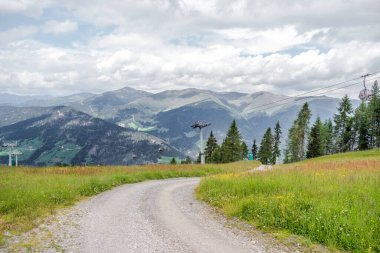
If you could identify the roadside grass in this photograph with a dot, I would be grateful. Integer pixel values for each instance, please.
(27, 195)
(373, 154)
(333, 200)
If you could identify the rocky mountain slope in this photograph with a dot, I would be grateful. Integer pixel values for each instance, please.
(61, 135)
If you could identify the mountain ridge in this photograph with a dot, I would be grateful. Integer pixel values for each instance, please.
(66, 136)
(169, 114)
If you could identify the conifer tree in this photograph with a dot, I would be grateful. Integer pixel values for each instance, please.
(350, 137)
(374, 116)
(276, 143)
(315, 144)
(361, 124)
(244, 150)
(231, 147)
(198, 161)
(265, 153)
(223, 150)
(211, 145)
(292, 145)
(303, 127)
(173, 161)
(217, 155)
(327, 137)
(295, 148)
(254, 150)
(343, 125)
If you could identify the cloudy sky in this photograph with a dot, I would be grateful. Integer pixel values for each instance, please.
(282, 46)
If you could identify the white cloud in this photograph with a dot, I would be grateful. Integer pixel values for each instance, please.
(264, 41)
(57, 27)
(27, 7)
(16, 33)
(203, 7)
(218, 67)
(281, 46)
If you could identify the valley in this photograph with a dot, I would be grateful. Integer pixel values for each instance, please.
(147, 119)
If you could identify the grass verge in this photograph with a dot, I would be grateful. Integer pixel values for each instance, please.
(29, 194)
(333, 200)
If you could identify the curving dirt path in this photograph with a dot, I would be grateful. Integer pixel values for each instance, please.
(152, 216)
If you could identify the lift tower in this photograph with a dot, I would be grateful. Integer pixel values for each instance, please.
(12, 152)
(201, 124)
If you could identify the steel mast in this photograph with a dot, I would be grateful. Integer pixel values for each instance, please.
(201, 124)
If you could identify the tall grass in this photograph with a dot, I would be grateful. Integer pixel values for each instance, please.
(334, 200)
(29, 194)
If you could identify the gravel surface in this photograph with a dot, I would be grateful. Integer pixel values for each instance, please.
(152, 216)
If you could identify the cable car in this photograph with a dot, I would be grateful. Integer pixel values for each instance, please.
(134, 156)
(365, 94)
(161, 150)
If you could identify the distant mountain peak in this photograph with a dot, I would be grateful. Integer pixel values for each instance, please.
(130, 89)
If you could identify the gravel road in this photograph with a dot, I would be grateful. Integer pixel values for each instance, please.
(152, 216)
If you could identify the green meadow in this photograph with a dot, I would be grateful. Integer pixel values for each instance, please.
(332, 200)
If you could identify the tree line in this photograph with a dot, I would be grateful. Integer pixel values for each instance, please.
(233, 148)
(350, 129)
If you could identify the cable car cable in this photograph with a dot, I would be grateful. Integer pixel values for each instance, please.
(323, 93)
(303, 98)
(312, 91)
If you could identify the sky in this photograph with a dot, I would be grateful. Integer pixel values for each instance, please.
(287, 47)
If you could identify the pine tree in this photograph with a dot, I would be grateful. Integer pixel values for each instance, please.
(350, 137)
(315, 144)
(254, 150)
(374, 116)
(173, 161)
(292, 145)
(231, 147)
(343, 125)
(224, 157)
(361, 124)
(211, 145)
(266, 147)
(295, 148)
(303, 127)
(217, 155)
(198, 161)
(287, 156)
(276, 143)
(327, 137)
(244, 150)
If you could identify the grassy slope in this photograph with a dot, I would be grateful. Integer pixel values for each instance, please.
(334, 200)
(28, 194)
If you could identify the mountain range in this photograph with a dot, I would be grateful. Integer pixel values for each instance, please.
(61, 135)
(116, 118)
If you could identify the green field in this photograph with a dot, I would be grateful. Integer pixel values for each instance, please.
(333, 200)
(29, 194)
